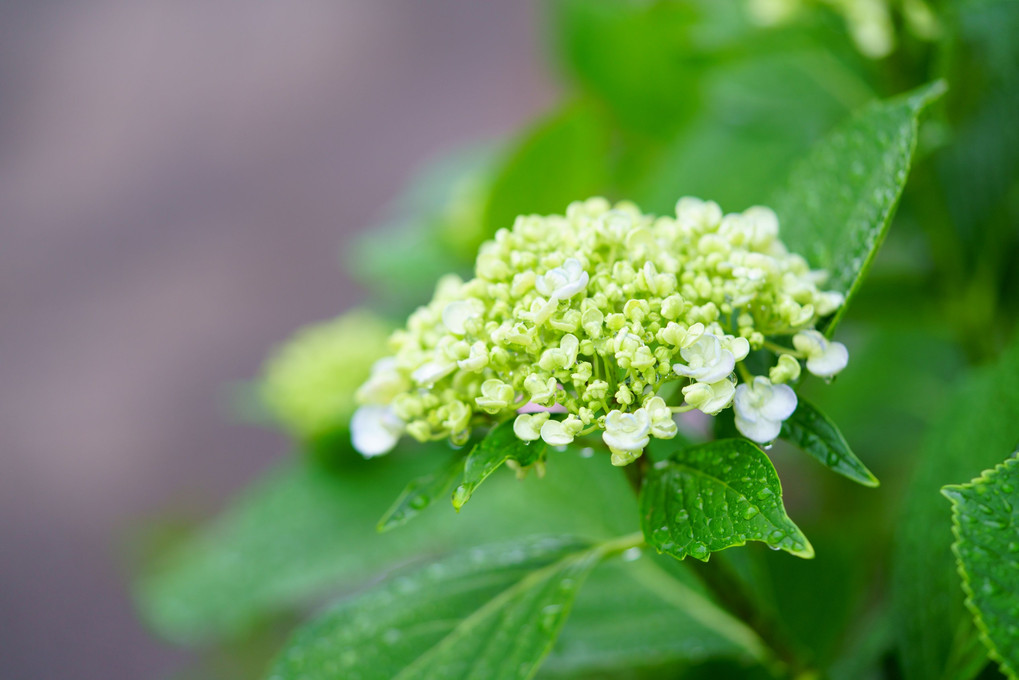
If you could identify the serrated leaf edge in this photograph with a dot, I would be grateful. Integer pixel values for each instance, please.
(806, 553)
(953, 492)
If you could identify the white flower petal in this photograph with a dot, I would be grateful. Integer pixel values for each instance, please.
(374, 430)
(762, 401)
(831, 361)
(761, 430)
(780, 404)
(563, 282)
(740, 348)
(627, 432)
(456, 314)
(553, 434)
(710, 398)
(720, 369)
(706, 360)
(527, 426)
(431, 372)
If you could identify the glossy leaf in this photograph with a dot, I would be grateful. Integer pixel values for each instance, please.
(498, 447)
(715, 496)
(420, 493)
(966, 438)
(838, 201)
(491, 613)
(985, 520)
(818, 436)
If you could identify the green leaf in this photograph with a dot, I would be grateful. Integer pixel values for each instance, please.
(420, 493)
(306, 529)
(985, 520)
(295, 532)
(715, 496)
(492, 613)
(838, 201)
(562, 159)
(634, 57)
(498, 447)
(818, 436)
(430, 229)
(966, 438)
(759, 115)
(633, 614)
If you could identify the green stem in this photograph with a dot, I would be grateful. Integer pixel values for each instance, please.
(731, 592)
(744, 373)
(779, 349)
(635, 472)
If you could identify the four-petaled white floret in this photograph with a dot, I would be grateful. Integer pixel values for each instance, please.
(761, 407)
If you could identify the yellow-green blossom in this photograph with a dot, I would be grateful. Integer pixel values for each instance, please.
(870, 22)
(309, 382)
(590, 314)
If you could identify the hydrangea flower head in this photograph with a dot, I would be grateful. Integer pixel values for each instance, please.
(606, 320)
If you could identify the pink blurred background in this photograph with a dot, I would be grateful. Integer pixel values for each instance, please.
(176, 183)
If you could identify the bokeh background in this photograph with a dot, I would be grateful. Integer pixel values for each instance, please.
(177, 182)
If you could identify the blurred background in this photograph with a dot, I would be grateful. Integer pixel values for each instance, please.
(177, 180)
(182, 185)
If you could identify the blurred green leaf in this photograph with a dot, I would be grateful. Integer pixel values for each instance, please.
(292, 533)
(491, 613)
(306, 529)
(427, 226)
(638, 58)
(817, 435)
(984, 520)
(499, 446)
(561, 159)
(838, 201)
(715, 496)
(632, 614)
(980, 169)
(967, 438)
(420, 493)
(758, 115)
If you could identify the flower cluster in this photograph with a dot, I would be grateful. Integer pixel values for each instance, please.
(606, 319)
(871, 23)
(308, 383)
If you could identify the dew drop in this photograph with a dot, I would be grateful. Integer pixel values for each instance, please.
(550, 617)
(698, 550)
(631, 554)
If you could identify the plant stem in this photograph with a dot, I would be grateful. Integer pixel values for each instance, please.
(635, 473)
(731, 592)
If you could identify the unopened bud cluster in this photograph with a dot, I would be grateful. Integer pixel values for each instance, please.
(308, 383)
(606, 319)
